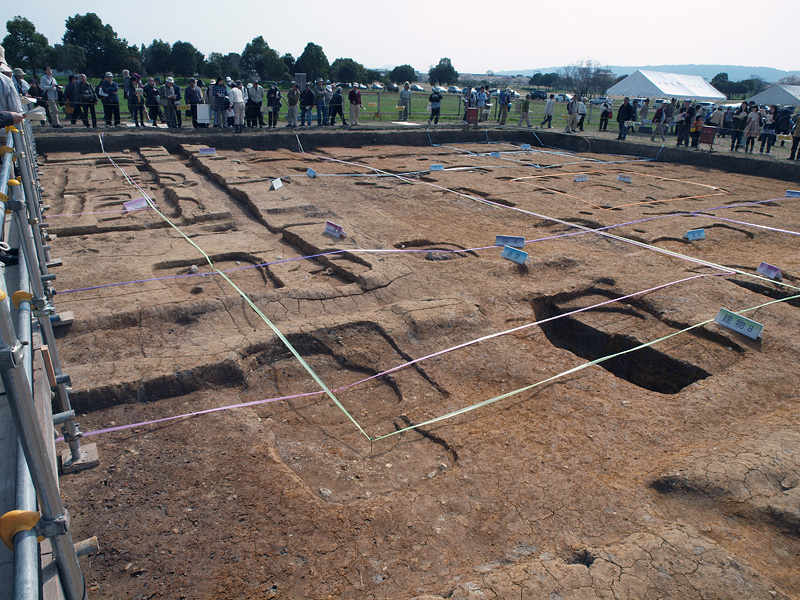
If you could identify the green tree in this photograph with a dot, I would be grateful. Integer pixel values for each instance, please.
(185, 59)
(262, 60)
(289, 61)
(443, 73)
(104, 50)
(371, 76)
(536, 79)
(312, 62)
(550, 80)
(402, 73)
(25, 47)
(66, 57)
(720, 80)
(158, 58)
(346, 69)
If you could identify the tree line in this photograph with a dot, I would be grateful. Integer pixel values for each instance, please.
(93, 47)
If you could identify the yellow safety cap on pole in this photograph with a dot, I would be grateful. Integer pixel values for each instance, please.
(3, 197)
(3, 295)
(13, 182)
(15, 521)
(20, 296)
(6, 150)
(11, 129)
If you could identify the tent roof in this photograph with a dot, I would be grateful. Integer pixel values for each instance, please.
(785, 95)
(666, 85)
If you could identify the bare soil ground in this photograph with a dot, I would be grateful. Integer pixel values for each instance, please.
(669, 472)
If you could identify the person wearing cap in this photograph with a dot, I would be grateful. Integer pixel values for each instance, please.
(254, 100)
(624, 114)
(9, 98)
(292, 99)
(50, 88)
(169, 97)
(355, 104)
(306, 105)
(273, 105)
(337, 106)
(321, 100)
(110, 98)
(194, 96)
(403, 102)
(136, 100)
(581, 112)
(219, 95)
(23, 87)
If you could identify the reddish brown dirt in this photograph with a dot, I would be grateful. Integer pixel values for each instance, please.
(669, 472)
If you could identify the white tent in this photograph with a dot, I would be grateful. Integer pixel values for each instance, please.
(785, 95)
(654, 84)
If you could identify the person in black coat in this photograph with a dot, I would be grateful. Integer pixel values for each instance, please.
(625, 113)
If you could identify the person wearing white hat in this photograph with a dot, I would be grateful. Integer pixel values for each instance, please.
(110, 98)
(9, 99)
(169, 95)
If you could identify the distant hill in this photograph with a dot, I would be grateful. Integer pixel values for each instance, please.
(735, 72)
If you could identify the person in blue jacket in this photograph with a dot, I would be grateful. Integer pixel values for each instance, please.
(109, 94)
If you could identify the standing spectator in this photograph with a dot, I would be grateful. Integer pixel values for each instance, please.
(126, 88)
(86, 99)
(470, 100)
(737, 129)
(321, 100)
(169, 100)
(549, 109)
(292, 100)
(50, 89)
(505, 98)
(784, 125)
(69, 96)
(752, 127)
(110, 98)
(717, 118)
(660, 122)
(9, 98)
(253, 104)
(482, 98)
(768, 134)
(670, 110)
(152, 101)
(136, 100)
(572, 115)
(306, 105)
(236, 95)
(273, 105)
(605, 115)
(624, 114)
(644, 108)
(793, 154)
(404, 101)
(337, 106)
(436, 107)
(525, 111)
(22, 86)
(685, 119)
(727, 122)
(355, 104)
(581, 112)
(194, 96)
(219, 92)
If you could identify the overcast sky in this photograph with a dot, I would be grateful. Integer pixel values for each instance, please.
(477, 35)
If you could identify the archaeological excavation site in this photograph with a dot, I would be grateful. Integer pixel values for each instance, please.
(436, 365)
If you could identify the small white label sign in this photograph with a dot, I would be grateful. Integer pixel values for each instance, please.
(276, 184)
(334, 230)
(770, 271)
(509, 240)
(743, 325)
(624, 178)
(579, 178)
(137, 204)
(208, 150)
(514, 255)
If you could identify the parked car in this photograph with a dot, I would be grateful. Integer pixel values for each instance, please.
(601, 100)
(392, 87)
(377, 86)
(440, 89)
(563, 97)
(538, 95)
(454, 89)
(363, 86)
(417, 88)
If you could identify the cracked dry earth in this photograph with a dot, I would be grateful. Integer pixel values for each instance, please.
(668, 472)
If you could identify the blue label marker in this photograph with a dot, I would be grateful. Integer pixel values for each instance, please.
(311, 173)
(695, 234)
(579, 178)
(525, 146)
(509, 240)
(624, 178)
(514, 255)
(494, 154)
(793, 193)
(437, 167)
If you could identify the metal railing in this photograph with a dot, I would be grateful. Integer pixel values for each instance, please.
(39, 510)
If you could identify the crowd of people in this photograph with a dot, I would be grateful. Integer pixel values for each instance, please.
(234, 105)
